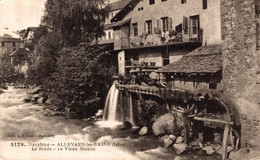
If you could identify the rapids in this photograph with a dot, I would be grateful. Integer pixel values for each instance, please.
(27, 134)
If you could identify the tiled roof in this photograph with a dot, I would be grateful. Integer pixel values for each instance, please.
(123, 12)
(206, 59)
(117, 5)
(20, 52)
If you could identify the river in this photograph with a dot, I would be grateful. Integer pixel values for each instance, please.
(28, 134)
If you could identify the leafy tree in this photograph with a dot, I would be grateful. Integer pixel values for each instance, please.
(40, 31)
(75, 20)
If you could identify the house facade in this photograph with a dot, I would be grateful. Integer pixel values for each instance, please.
(159, 32)
(112, 8)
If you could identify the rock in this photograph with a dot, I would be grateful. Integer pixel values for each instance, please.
(40, 100)
(217, 138)
(209, 150)
(172, 137)
(180, 139)
(126, 125)
(27, 100)
(36, 90)
(178, 158)
(48, 102)
(99, 114)
(180, 148)
(167, 143)
(143, 131)
(164, 125)
(1, 91)
(240, 154)
(161, 139)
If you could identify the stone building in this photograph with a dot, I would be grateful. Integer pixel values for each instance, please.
(212, 45)
(112, 8)
(156, 33)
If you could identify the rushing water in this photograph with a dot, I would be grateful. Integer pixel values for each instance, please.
(27, 123)
(111, 103)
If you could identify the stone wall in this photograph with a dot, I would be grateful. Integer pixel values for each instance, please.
(240, 64)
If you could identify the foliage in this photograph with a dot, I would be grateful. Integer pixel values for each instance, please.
(149, 111)
(85, 78)
(44, 58)
(75, 20)
(40, 31)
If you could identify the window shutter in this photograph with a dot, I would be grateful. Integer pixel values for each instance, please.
(169, 23)
(185, 25)
(145, 27)
(132, 31)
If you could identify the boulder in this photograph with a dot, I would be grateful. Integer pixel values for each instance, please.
(164, 125)
(1, 91)
(167, 143)
(172, 137)
(161, 139)
(143, 131)
(40, 100)
(208, 149)
(27, 100)
(178, 158)
(48, 102)
(180, 139)
(180, 148)
(36, 90)
(126, 125)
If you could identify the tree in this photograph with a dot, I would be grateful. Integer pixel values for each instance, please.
(75, 20)
(40, 31)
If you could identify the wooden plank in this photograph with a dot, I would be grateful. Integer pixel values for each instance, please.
(213, 120)
(224, 143)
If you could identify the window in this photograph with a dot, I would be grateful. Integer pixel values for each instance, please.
(195, 25)
(165, 24)
(149, 27)
(165, 56)
(164, 0)
(109, 35)
(151, 2)
(14, 49)
(152, 63)
(213, 85)
(135, 29)
(183, 1)
(13, 44)
(205, 4)
(3, 44)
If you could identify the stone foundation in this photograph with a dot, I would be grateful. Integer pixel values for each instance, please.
(240, 63)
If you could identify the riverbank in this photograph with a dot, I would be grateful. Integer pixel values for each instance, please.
(28, 123)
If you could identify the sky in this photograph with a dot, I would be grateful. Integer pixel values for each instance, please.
(20, 14)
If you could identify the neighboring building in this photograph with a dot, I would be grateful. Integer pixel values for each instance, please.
(9, 43)
(156, 33)
(28, 36)
(113, 9)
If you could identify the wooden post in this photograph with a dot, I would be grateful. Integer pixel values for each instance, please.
(224, 143)
(121, 105)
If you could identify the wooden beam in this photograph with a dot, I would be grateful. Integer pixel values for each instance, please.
(224, 143)
(213, 120)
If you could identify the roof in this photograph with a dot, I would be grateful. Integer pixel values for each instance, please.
(117, 5)
(9, 39)
(30, 29)
(20, 52)
(206, 59)
(123, 12)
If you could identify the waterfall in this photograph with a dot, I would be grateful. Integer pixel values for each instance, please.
(131, 112)
(111, 103)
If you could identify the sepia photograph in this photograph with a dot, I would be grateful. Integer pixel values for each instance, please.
(129, 79)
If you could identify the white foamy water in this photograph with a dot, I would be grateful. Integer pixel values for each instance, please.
(111, 103)
(102, 140)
